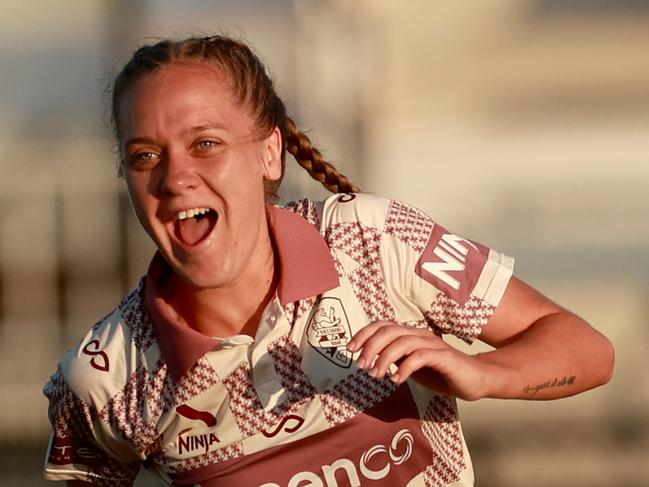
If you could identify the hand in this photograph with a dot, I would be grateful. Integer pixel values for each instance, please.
(422, 354)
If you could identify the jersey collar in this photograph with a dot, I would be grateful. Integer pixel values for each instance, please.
(306, 269)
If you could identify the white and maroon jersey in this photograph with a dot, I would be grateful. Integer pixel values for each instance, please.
(289, 407)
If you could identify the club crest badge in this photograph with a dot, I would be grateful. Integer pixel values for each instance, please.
(329, 331)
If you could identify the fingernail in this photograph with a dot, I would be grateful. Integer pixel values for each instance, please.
(351, 346)
(395, 378)
(373, 372)
(361, 363)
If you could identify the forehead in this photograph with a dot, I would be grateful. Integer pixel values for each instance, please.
(179, 96)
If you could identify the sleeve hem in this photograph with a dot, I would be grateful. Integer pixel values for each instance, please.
(71, 474)
(494, 278)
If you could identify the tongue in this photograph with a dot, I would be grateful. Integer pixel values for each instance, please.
(192, 230)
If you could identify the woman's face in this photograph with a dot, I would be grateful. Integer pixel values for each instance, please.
(194, 168)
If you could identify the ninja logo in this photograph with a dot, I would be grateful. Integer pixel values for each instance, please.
(329, 331)
(452, 264)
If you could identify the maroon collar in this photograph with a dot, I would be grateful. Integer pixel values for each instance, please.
(306, 269)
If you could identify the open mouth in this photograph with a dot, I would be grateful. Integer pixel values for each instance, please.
(194, 225)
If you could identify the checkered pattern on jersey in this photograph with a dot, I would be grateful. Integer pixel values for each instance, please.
(353, 395)
(134, 411)
(465, 321)
(410, 225)
(440, 424)
(297, 309)
(200, 378)
(136, 318)
(287, 361)
(363, 244)
(306, 209)
(340, 269)
(247, 410)
(70, 416)
(72, 419)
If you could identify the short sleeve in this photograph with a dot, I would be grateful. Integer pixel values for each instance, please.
(82, 446)
(456, 283)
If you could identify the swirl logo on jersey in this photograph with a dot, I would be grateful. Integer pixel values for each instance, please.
(452, 264)
(102, 365)
(375, 464)
(288, 424)
(329, 331)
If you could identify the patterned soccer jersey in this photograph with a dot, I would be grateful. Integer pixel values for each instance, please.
(288, 407)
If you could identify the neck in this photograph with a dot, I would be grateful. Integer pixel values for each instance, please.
(235, 309)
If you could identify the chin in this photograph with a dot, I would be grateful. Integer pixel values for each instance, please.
(198, 278)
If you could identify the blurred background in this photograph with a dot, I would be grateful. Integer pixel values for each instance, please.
(523, 124)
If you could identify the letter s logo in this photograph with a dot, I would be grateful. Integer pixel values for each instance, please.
(283, 425)
(94, 352)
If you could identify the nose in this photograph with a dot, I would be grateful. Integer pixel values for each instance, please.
(178, 175)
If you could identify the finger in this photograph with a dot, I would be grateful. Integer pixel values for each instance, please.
(435, 362)
(379, 340)
(396, 351)
(384, 336)
(359, 339)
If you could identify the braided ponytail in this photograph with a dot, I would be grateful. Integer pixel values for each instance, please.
(311, 159)
(254, 90)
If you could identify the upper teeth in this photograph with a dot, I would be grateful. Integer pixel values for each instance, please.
(192, 212)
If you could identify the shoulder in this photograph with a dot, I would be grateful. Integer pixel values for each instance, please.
(363, 208)
(394, 220)
(367, 216)
(109, 353)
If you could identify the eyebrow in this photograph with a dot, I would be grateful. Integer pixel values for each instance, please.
(209, 125)
(138, 140)
(191, 130)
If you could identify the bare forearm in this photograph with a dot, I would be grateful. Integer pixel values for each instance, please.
(559, 355)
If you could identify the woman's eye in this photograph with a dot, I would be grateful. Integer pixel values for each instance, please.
(207, 144)
(145, 156)
(143, 159)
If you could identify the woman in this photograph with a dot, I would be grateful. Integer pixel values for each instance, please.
(288, 346)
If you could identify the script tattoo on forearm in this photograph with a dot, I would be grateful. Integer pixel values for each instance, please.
(556, 382)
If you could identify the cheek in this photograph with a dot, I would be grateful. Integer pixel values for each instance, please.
(242, 177)
(138, 194)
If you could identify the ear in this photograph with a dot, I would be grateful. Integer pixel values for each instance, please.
(272, 155)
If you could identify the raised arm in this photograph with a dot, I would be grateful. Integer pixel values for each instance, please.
(542, 352)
